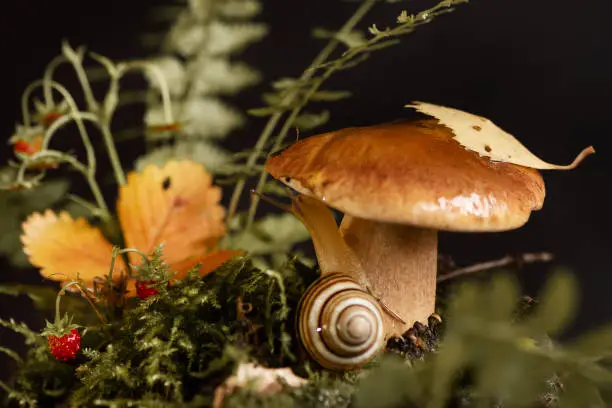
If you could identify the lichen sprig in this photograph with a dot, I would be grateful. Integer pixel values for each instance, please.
(296, 94)
(196, 59)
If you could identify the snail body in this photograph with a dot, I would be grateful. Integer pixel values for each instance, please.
(339, 324)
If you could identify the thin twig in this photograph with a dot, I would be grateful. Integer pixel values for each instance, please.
(268, 130)
(507, 260)
(330, 67)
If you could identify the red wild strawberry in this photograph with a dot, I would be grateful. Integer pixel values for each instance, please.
(145, 288)
(65, 347)
(50, 117)
(21, 146)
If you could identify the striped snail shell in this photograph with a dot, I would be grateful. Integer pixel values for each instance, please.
(339, 324)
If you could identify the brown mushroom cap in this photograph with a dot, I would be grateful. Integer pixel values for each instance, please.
(411, 173)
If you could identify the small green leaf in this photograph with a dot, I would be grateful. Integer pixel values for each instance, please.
(557, 305)
(286, 83)
(330, 95)
(267, 111)
(595, 344)
(309, 121)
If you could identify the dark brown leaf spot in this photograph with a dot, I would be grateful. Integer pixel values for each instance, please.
(166, 184)
(179, 202)
(488, 148)
(477, 128)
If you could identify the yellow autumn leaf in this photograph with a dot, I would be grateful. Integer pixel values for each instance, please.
(176, 206)
(482, 136)
(63, 248)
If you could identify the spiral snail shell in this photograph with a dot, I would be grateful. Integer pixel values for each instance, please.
(340, 325)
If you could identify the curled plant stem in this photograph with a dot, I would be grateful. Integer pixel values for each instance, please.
(117, 252)
(110, 145)
(274, 119)
(90, 171)
(85, 204)
(48, 78)
(90, 100)
(77, 165)
(62, 292)
(74, 112)
(112, 154)
(331, 67)
(507, 260)
(106, 135)
(161, 80)
(62, 121)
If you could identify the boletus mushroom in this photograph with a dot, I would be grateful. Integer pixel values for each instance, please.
(398, 184)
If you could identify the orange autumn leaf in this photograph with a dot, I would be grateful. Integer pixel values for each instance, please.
(176, 205)
(63, 248)
(216, 259)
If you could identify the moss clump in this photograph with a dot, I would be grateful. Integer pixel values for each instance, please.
(177, 347)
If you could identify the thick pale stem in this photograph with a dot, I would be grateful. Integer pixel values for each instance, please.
(333, 254)
(400, 262)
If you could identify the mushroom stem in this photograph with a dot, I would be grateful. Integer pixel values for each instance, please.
(400, 263)
(332, 252)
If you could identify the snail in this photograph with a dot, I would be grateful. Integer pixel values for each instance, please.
(339, 323)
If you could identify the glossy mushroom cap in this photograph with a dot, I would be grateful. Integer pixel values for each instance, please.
(411, 173)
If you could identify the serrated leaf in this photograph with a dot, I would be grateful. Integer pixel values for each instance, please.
(15, 206)
(215, 75)
(200, 117)
(206, 153)
(226, 38)
(330, 95)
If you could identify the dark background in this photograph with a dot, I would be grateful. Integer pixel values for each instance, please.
(541, 70)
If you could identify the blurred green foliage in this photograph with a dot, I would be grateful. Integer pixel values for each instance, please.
(178, 346)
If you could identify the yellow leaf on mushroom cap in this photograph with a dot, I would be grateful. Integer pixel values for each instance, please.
(63, 248)
(176, 205)
(485, 138)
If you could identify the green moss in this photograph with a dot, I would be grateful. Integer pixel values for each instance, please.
(176, 348)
